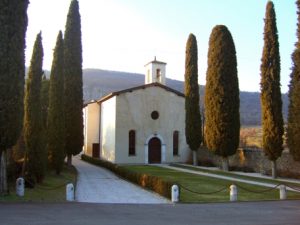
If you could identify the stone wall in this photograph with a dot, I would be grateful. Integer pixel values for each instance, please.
(253, 160)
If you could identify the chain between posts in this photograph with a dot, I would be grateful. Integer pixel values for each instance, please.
(291, 187)
(258, 192)
(202, 193)
(241, 187)
(48, 189)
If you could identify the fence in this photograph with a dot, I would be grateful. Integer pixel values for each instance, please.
(70, 189)
(233, 190)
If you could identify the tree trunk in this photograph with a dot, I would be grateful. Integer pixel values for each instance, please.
(3, 174)
(24, 165)
(195, 160)
(225, 164)
(57, 172)
(69, 160)
(274, 169)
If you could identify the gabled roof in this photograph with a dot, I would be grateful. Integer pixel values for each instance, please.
(138, 88)
(88, 103)
(156, 62)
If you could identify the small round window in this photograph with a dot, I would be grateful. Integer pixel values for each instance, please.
(154, 115)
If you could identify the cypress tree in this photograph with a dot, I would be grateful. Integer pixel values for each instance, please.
(193, 130)
(56, 122)
(33, 124)
(271, 103)
(222, 119)
(73, 83)
(44, 110)
(293, 129)
(18, 150)
(13, 25)
(45, 99)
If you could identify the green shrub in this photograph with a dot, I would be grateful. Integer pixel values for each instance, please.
(153, 183)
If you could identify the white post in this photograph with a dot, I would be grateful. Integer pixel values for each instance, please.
(70, 192)
(175, 194)
(233, 193)
(20, 187)
(282, 192)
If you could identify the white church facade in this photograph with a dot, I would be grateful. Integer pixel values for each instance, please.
(140, 125)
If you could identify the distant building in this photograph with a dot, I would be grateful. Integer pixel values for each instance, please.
(144, 124)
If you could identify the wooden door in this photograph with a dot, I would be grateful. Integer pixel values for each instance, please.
(154, 150)
(96, 150)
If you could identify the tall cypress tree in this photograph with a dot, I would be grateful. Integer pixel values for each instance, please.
(73, 83)
(222, 119)
(56, 120)
(44, 111)
(191, 88)
(271, 103)
(45, 99)
(33, 124)
(293, 130)
(13, 25)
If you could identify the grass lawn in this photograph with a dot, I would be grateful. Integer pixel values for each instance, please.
(205, 185)
(238, 176)
(53, 188)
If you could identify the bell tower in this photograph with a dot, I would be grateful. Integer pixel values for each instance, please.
(155, 72)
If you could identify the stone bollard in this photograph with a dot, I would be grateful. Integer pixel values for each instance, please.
(175, 194)
(20, 187)
(70, 192)
(233, 193)
(282, 192)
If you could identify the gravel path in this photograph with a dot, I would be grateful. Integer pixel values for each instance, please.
(98, 185)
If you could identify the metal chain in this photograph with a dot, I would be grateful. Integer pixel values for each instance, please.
(258, 192)
(292, 187)
(241, 187)
(202, 193)
(48, 189)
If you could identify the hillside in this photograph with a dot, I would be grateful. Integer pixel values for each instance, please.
(97, 83)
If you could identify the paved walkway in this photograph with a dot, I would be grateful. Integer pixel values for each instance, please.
(98, 185)
(249, 174)
(222, 177)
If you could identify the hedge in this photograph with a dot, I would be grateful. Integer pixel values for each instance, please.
(150, 182)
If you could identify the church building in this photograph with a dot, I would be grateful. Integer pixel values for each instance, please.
(140, 125)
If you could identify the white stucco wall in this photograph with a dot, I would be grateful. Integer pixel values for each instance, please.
(108, 127)
(134, 113)
(91, 127)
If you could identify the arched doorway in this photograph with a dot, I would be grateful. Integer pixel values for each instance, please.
(154, 155)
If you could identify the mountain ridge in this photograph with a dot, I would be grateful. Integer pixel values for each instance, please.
(98, 83)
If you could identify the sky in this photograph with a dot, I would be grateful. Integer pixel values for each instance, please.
(124, 35)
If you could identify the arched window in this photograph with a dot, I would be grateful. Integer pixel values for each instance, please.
(175, 142)
(131, 146)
